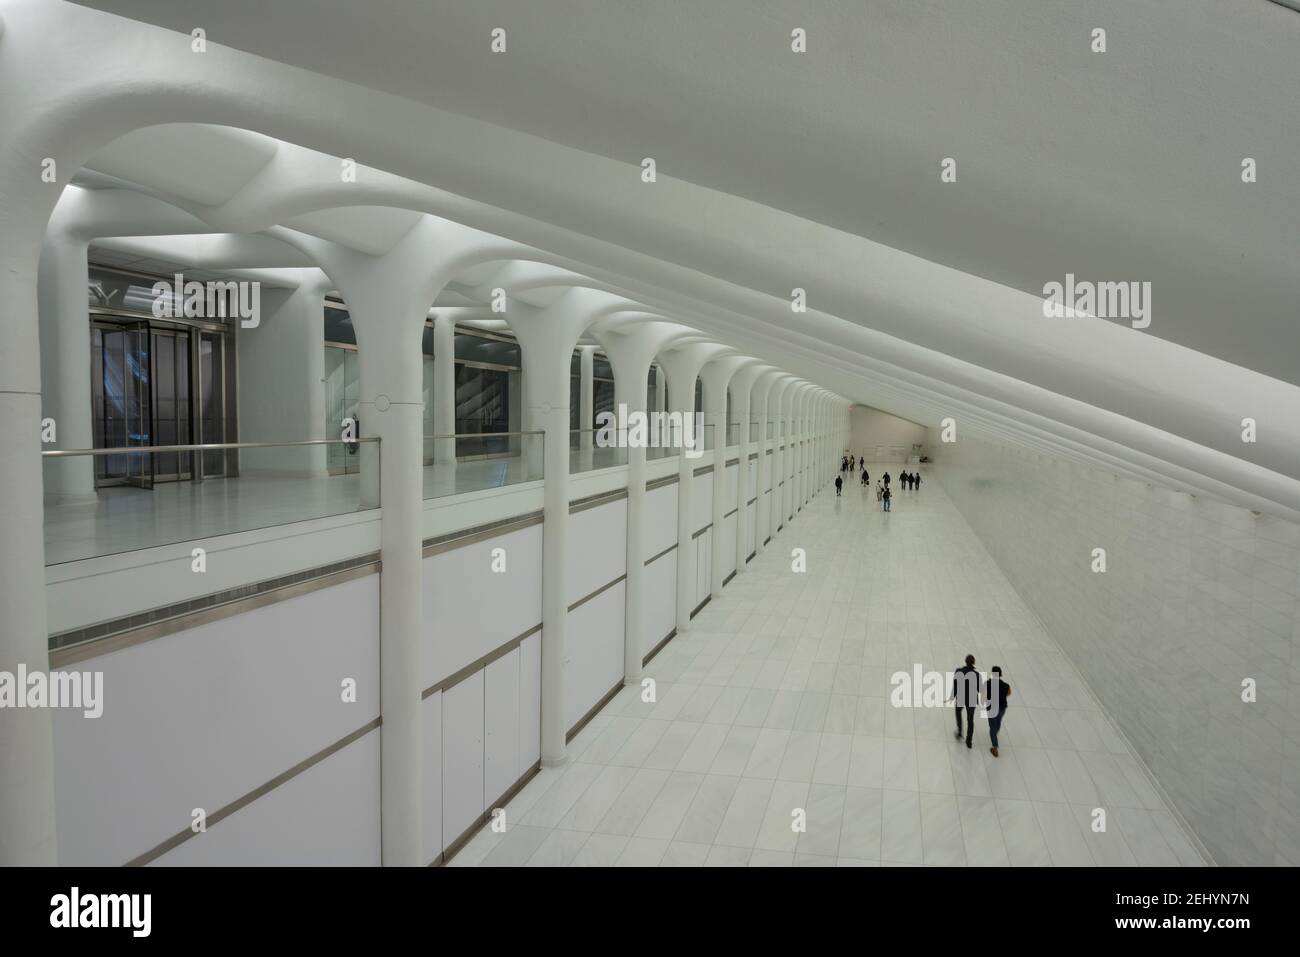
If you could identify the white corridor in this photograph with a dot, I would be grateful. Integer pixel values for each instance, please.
(777, 699)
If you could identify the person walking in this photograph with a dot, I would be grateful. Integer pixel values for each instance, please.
(888, 498)
(886, 480)
(996, 693)
(839, 483)
(916, 480)
(866, 479)
(966, 695)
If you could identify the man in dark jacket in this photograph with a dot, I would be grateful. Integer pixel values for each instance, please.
(966, 695)
(996, 693)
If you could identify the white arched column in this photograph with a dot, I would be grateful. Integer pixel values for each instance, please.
(388, 299)
(444, 389)
(716, 376)
(762, 391)
(587, 401)
(776, 412)
(742, 387)
(27, 827)
(631, 346)
(547, 338)
(65, 364)
(683, 366)
(787, 457)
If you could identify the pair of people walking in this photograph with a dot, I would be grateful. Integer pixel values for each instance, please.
(967, 694)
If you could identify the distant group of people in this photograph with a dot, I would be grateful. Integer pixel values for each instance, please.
(848, 463)
(967, 695)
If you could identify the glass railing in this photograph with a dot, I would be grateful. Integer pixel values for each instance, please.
(591, 449)
(109, 501)
(471, 462)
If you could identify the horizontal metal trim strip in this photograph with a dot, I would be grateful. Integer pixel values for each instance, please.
(220, 815)
(752, 500)
(594, 501)
(697, 534)
(661, 554)
(479, 533)
(70, 647)
(603, 588)
(731, 513)
(705, 470)
(456, 677)
(726, 580)
(455, 847)
(595, 710)
(660, 482)
(696, 610)
(659, 647)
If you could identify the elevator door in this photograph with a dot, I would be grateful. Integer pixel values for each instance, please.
(171, 403)
(155, 385)
(122, 399)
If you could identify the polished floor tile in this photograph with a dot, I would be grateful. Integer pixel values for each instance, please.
(775, 742)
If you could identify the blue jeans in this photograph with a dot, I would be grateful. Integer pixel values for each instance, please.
(995, 725)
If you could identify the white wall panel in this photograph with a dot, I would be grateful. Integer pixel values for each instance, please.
(1197, 596)
(661, 519)
(728, 544)
(595, 652)
(661, 587)
(751, 526)
(186, 718)
(327, 816)
(469, 610)
(431, 744)
(597, 548)
(702, 503)
(702, 547)
(530, 701)
(500, 725)
(462, 756)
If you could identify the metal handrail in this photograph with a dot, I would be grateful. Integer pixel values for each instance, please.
(212, 447)
(484, 435)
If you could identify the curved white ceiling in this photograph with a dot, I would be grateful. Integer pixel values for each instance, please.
(821, 170)
(1116, 165)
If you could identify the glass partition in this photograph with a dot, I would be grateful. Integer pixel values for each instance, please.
(471, 462)
(265, 484)
(589, 449)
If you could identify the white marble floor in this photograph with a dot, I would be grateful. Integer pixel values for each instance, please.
(776, 702)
